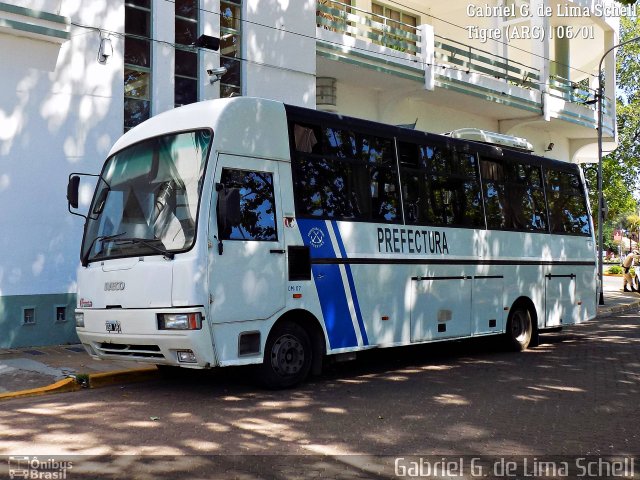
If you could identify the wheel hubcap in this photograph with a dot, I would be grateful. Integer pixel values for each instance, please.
(519, 327)
(287, 355)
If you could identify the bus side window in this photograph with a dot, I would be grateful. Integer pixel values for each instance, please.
(567, 207)
(257, 205)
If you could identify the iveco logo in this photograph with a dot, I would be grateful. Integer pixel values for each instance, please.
(112, 286)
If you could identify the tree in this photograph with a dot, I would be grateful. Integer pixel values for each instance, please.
(621, 168)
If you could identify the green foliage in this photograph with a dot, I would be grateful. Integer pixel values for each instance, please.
(615, 270)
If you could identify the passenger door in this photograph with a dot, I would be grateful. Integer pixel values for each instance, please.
(247, 258)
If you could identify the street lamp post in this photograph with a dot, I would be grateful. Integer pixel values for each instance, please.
(600, 197)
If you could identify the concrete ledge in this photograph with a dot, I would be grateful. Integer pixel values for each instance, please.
(62, 386)
(609, 311)
(98, 380)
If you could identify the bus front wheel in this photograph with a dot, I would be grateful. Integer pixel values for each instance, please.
(519, 329)
(287, 356)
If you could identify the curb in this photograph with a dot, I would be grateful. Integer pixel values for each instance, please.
(61, 386)
(81, 381)
(609, 311)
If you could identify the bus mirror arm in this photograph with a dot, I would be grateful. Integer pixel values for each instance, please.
(73, 191)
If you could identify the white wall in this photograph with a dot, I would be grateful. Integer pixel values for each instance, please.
(281, 65)
(60, 113)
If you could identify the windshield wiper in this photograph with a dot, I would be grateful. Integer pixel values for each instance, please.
(85, 259)
(146, 243)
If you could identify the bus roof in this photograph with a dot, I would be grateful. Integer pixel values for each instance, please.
(241, 125)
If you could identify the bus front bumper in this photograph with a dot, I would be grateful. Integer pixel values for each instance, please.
(133, 335)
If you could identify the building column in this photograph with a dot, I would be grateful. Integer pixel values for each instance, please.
(427, 54)
(207, 59)
(562, 57)
(163, 56)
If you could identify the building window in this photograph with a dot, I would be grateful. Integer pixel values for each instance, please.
(186, 67)
(397, 25)
(230, 47)
(137, 62)
(29, 315)
(60, 313)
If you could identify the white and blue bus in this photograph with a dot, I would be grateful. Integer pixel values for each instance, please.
(245, 231)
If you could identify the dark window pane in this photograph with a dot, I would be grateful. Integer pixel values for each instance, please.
(227, 91)
(257, 205)
(186, 91)
(186, 63)
(414, 194)
(137, 52)
(136, 83)
(409, 154)
(567, 206)
(229, 16)
(377, 150)
(232, 77)
(454, 201)
(137, 22)
(339, 143)
(331, 188)
(139, 3)
(230, 45)
(186, 32)
(187, 8)
(384, 194)
(135, 112)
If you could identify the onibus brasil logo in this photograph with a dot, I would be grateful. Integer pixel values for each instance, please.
(40, 469)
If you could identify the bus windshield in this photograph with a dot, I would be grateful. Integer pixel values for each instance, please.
(146, 201)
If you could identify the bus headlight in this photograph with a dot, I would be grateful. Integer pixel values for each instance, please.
(179, 321)
(80, 320)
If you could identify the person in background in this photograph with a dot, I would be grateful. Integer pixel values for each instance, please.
(627, 264)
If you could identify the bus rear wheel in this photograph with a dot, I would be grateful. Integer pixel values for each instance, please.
(519, 329)
(287, 356)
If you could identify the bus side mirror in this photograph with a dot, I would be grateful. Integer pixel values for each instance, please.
(73, 188)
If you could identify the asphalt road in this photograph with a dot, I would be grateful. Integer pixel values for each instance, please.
(577, 394)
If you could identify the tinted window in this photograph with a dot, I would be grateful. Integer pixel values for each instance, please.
(257, 205)
(567, 207)
(342, 174)
(513, 197)
(440, 186)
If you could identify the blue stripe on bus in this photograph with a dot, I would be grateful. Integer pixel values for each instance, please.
(331, 293)
(352, 285)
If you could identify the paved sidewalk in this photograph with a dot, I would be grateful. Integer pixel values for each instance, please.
(35, 367)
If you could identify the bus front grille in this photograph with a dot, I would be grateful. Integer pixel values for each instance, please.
(127, 350)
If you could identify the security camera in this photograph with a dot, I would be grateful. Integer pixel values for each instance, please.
(218, 72)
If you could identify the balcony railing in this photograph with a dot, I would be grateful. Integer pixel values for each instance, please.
(345, 19)
(379, 30)
(470, 59)
(575, 92)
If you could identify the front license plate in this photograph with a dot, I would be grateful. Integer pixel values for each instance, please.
(113, 326)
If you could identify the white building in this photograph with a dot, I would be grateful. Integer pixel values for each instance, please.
(76, 74)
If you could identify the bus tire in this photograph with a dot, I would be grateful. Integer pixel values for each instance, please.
(287, 356)
(519, 329)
